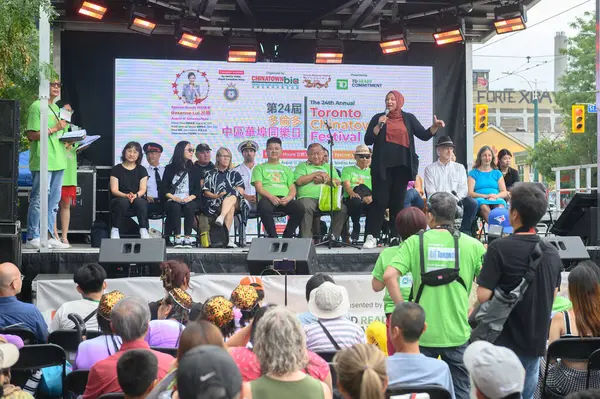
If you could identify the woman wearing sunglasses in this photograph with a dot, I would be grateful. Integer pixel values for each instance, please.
(356, 180)
(181, 191)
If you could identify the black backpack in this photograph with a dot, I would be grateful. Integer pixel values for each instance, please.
(219, 236)
(438, 277)
(99, 231)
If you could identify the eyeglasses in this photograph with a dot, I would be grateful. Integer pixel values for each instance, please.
(56, 84)
(22, 277)
(364, 156)
(224, 155)
(191, 150)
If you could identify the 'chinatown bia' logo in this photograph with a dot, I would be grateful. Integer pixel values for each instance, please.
(191, 86)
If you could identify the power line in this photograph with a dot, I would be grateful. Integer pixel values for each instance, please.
(514, 56)
(536, 24)
(516, 71)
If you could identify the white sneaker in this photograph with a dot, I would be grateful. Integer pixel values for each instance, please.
(114, 233)
(144, 234)
(55, 244)
(179, 242)
(370, 242)
(155, 233)
(189, 242)
(231, 243)
(219, 221)
(33, 243)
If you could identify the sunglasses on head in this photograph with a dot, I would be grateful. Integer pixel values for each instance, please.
(364, 156)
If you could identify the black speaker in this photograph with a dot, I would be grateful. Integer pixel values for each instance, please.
(579, 218)
(570, 249)
(10, 243)
(263, 251)
(132, 257)
(9, 161)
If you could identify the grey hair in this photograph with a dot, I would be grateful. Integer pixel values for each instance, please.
(130, 318)
(280, 344)
(443, 207)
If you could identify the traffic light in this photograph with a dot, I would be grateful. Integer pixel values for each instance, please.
(578, 119)
(481, 117)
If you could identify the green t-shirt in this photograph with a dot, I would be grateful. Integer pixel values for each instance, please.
(70, 174)
(56, 149)
(356, 176)
(275, 178)
(446, 306)
(405, 281)
(311, 190)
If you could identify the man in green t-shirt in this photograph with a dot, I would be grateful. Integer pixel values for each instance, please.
(358, 177)
(310, 176)
(447, 305)
(276, 190)
(57, 163)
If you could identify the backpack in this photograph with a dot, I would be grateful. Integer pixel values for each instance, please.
(219, 236)
(98, 232)
(443, 276)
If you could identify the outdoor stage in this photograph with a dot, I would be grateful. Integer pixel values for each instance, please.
(200, 260)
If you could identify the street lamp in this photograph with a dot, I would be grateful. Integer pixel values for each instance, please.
(535, 115)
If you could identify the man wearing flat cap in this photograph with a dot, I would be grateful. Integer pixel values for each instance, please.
(153, 153)
(448, 176)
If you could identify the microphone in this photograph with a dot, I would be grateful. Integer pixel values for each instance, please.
(387, 111)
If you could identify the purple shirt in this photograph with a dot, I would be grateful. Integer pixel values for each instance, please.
(13, 339)
(164, 333)
(411, 184)
(93, 350)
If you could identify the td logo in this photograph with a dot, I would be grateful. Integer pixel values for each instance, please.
(342, 84)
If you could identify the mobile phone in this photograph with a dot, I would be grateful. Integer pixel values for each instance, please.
(284, 265)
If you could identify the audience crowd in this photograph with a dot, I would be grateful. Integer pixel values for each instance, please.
(237, 346)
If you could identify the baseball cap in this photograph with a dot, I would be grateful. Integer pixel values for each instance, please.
(9, 354)
(500, 217)
(496, 371)
(208, 372)
(254, 281)
(203, 147)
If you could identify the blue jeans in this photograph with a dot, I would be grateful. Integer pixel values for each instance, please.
(55, 179)
(470, 208)
(413, 198)
(454, 359)
(531, 364)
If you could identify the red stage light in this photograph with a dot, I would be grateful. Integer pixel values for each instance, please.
(92, 10)
(191, 41)
(329, 58)
(393, 46)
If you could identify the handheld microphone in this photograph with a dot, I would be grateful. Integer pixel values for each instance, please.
(387, 111)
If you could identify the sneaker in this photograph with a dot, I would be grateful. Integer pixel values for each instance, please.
(370, 242)
(394, 242)
(144, 234)
(231, 243)
(189, 242)
(155, 233)
(219, 221)
(179, 242)
(55, 244)
(33, 243)
(114, 233)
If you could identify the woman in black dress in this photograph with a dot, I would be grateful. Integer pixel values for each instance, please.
(511, 176)
(181, 191)
(128, 182)
(394, 162)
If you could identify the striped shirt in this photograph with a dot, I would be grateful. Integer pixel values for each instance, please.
(345, 333)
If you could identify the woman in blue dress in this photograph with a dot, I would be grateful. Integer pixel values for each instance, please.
(486, 183)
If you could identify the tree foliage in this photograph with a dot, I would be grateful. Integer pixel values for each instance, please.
(578, 86)
(19, 60)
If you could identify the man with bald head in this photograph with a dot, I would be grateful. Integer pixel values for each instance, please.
(14, 312)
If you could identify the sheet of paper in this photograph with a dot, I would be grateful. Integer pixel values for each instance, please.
(66, 115)
(87, 141)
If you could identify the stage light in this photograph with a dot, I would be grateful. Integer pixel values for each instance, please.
(394, 38)
(510, 18)
(448, 35)
(329, 52)
(94, 10)
(142, 20)
(188, 34)
(242, 49)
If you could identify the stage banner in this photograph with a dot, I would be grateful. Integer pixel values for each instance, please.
(223, 104)
(365, 305)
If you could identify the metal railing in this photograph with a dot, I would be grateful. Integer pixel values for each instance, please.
(578, 189)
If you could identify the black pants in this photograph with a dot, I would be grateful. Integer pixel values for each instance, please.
(356, 208)
(155, 208)
(388, 193)
(120, 206)
(294, 209)
(173, 221)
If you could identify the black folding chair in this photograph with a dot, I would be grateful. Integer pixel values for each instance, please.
(113, 395)
(434, 391)
(76, 381)
(593, 364)
(69, 340)
(168, 351)
(327, 356)
(576, 349)
(35, 357)
(25, 334)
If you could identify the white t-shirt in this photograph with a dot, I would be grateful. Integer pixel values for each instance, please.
(82, 307)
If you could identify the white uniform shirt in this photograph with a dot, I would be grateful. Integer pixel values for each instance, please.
(446, 178)
(249, 189)
(152, 190)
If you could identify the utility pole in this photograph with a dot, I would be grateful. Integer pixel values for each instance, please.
(536, 124)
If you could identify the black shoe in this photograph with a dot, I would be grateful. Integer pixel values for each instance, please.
(394, 242)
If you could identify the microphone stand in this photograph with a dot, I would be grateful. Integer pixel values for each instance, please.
(329, 238)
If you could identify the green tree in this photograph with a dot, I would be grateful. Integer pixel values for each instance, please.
(19, 61)
(578, 86)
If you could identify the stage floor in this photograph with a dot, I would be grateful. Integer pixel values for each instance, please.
(200, 260)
